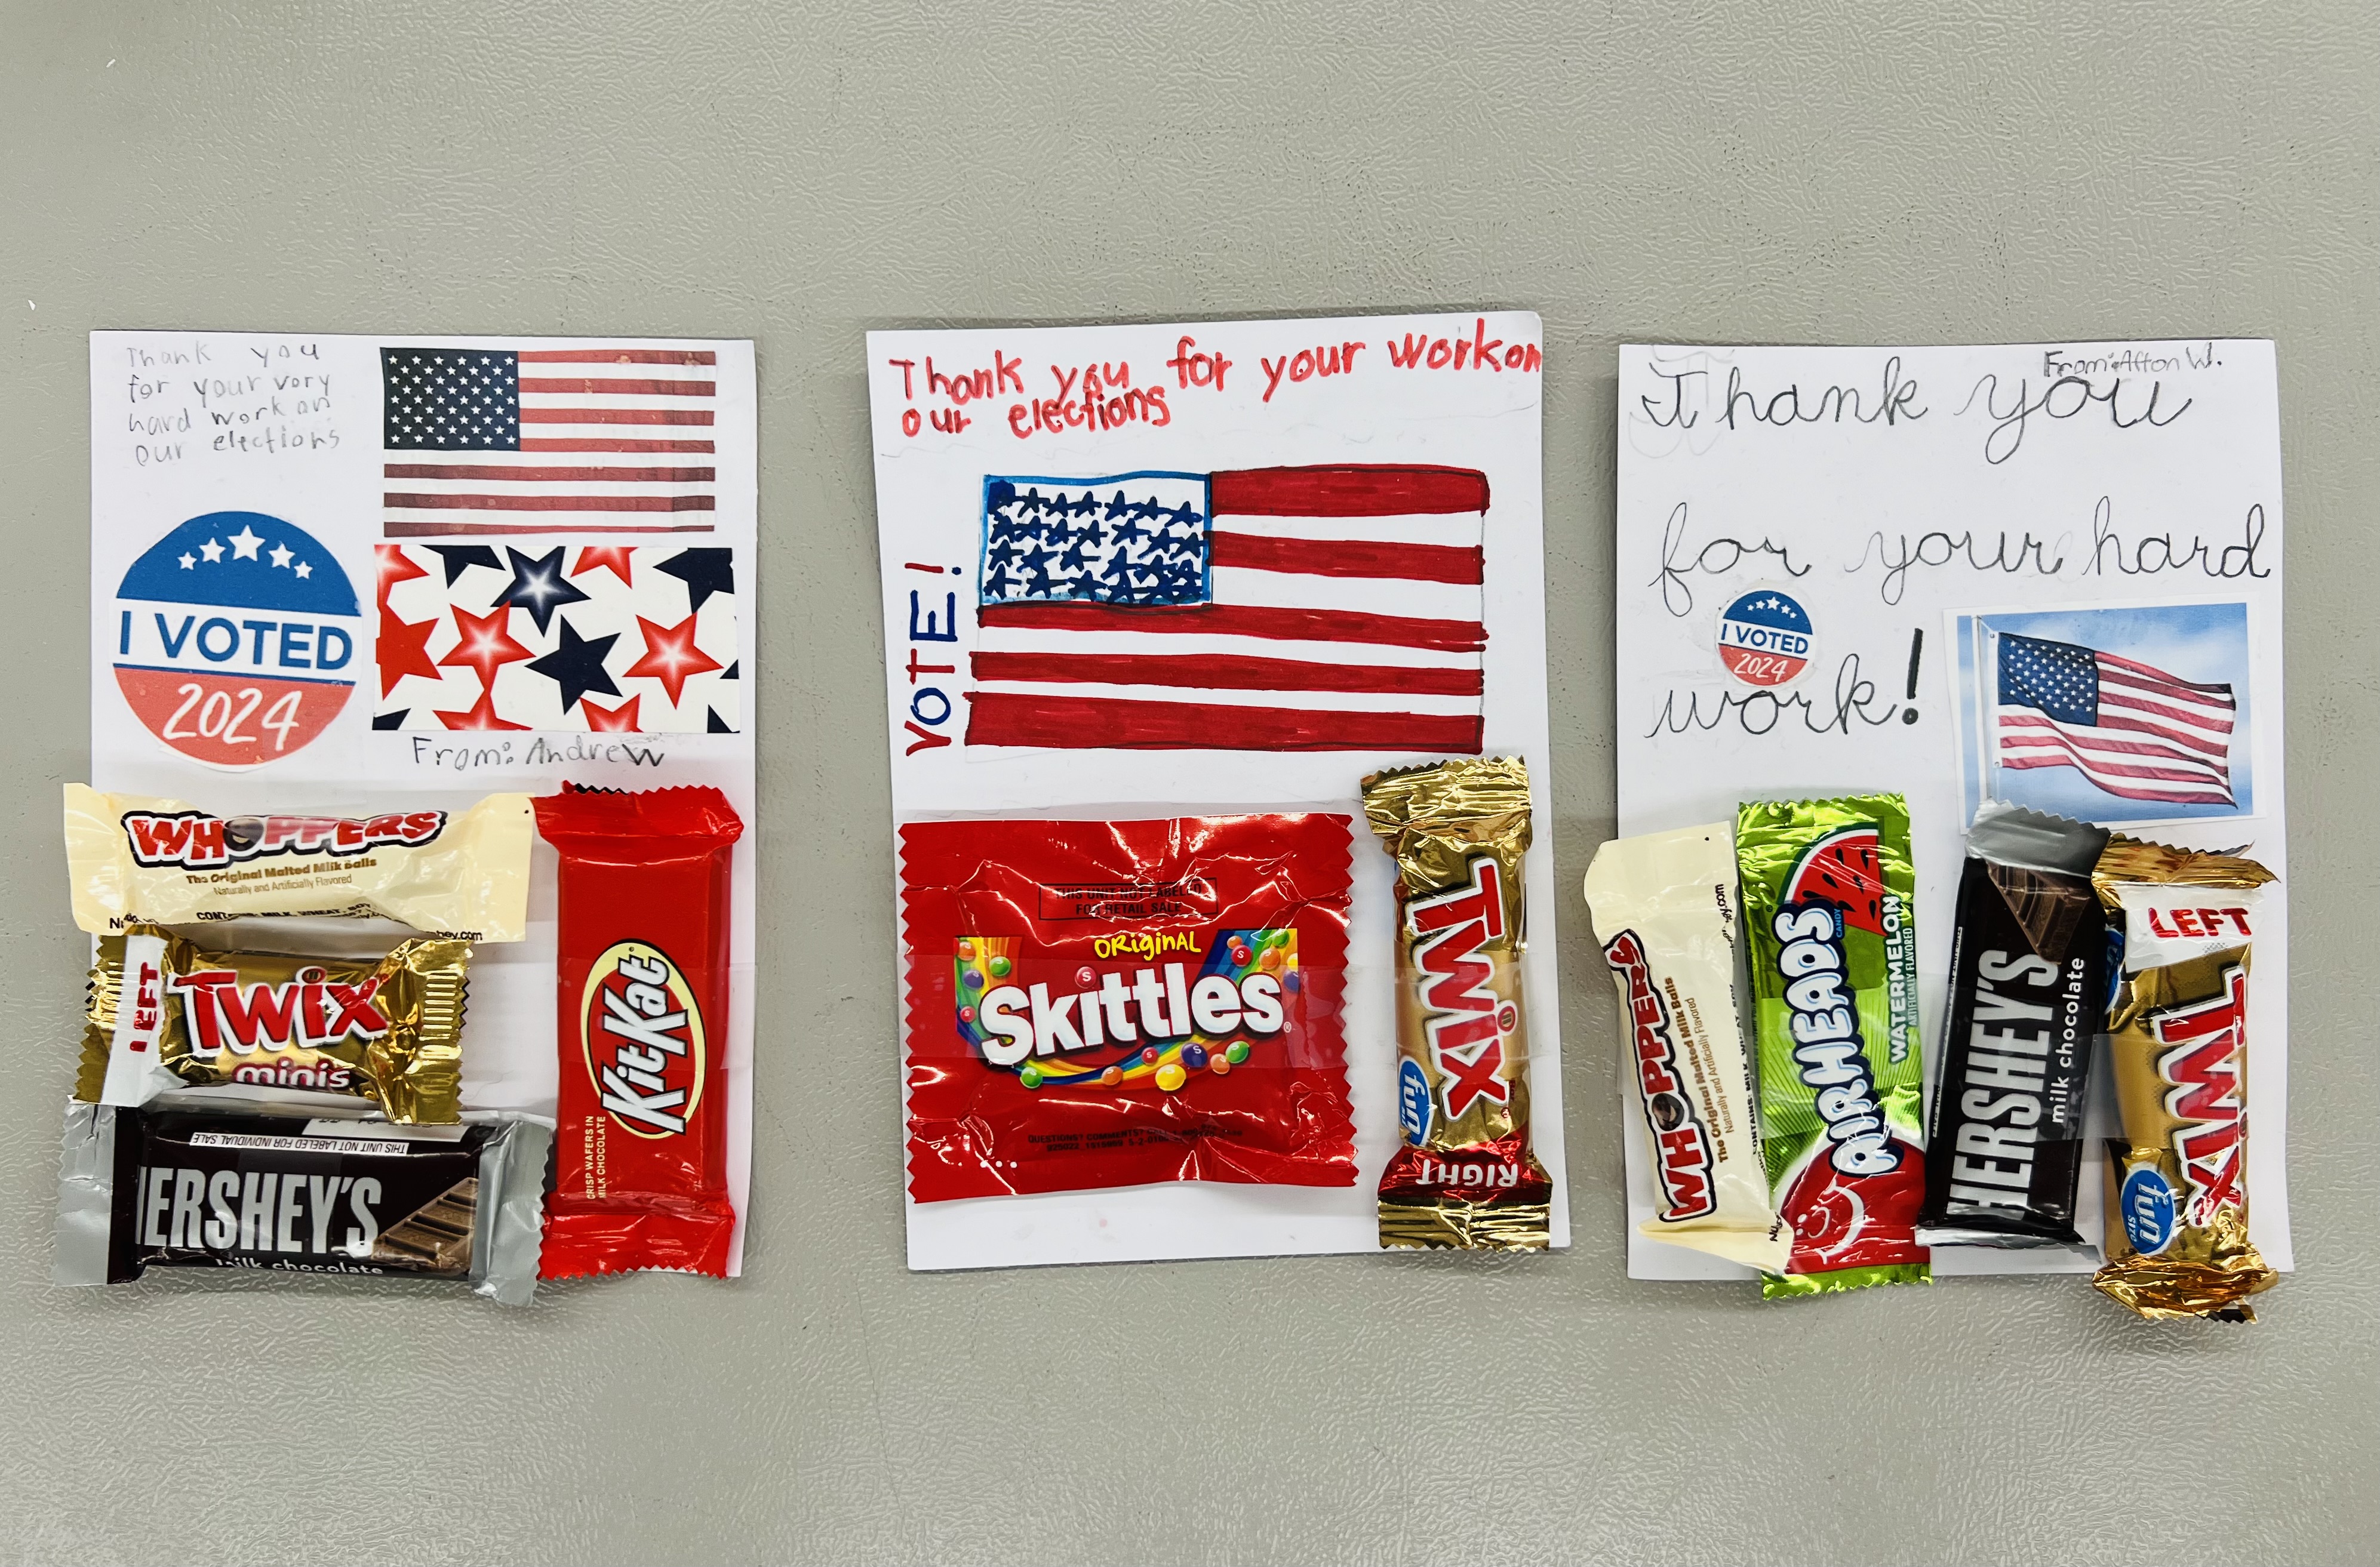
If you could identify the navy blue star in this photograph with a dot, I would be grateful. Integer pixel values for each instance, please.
(704, 571)
(577, 665)
(538, 586)
(461, 557)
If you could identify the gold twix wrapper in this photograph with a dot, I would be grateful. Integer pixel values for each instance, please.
(463, 874)
(1466, 1176)
(2178, 1240)
(165, 1014)
(1664, 907)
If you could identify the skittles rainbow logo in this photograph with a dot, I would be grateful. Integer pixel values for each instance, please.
(1156, 1023)
(1765, 638)
(233, 637)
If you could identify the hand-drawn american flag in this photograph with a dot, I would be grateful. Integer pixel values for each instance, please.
(2129, 727)
(600, 440)
(1308, 609)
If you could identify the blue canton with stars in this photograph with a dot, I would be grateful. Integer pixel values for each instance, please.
(1094, 541)
(2059, 678)
(450, 399)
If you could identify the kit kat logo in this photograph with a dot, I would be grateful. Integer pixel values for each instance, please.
(640, 1033)
(1682, 1149)
(1465, 1020)
(235, 637)
(2201, 1068)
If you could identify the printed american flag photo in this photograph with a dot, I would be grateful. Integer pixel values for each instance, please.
(1311, 609)
(2132, 729)
(593, 440)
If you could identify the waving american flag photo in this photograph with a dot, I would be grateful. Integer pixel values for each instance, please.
(2109, 715)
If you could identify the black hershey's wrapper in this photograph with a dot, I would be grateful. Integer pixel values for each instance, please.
(266, 1192)
(2028, 998)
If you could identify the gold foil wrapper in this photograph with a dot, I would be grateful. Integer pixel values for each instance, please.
(1465, 1177)
(2177, 1242)
(388, 1030)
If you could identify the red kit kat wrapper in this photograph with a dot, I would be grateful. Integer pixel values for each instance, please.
(640, 1152)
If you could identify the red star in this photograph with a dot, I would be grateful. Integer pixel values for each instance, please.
(403, 647)
(612, 558)
(671, 656)
(481, 715)
(482, 642)
(395, 566)
(621, 720)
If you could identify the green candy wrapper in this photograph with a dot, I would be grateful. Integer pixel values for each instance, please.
(1829, 898)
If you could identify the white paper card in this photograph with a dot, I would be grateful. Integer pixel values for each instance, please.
(358, 573)
(988, 717)
(1857, 570)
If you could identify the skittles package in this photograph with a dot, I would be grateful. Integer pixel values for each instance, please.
(1465, 1177)
(1115, 1004)
(2177, 1242)
(1829, 897)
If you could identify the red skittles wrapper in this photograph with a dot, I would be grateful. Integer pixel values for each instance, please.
(640, 1146)
(1114, 1003)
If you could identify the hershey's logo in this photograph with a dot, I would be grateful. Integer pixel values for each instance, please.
(2001, 1101)
(252, 1211)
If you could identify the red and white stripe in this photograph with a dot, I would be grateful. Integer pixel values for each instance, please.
(612, 441)
(2159, 737)
(1345, 614)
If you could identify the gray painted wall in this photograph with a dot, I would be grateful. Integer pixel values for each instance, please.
(797, 172)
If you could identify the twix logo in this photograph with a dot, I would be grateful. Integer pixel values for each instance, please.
(1684, 1151)
(2200, 1063)
(1465, 1021)
(307, 1012)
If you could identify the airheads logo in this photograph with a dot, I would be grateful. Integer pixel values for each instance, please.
(1765, 638)
(235, 638)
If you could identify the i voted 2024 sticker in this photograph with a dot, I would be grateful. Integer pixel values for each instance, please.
(1765, 638)
(235, 638)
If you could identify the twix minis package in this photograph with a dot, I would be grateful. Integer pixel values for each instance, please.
(463, 874)
(166, 1016)
(1665, 910)
(1466, 1176)
(2178, 1240)
(640, 1168)
(1829, 895)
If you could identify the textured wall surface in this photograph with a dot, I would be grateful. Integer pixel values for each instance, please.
(798, 172)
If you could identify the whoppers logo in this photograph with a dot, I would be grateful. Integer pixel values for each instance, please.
(235, 638)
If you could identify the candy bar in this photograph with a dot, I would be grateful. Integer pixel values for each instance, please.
(2027, 991)
(1466, 1176)
(141, 1189)
(1828, 896)
(2177, 1242)
(1113, 1003)
(1665, 910)
(166, 1016)
(641, 1167)
(137, 860)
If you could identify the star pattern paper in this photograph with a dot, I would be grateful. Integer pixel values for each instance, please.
(616, 638)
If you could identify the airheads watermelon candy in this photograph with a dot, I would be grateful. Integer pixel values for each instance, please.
(1829, 897)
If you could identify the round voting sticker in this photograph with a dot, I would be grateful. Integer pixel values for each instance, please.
(235, 638)
(1765, 638)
